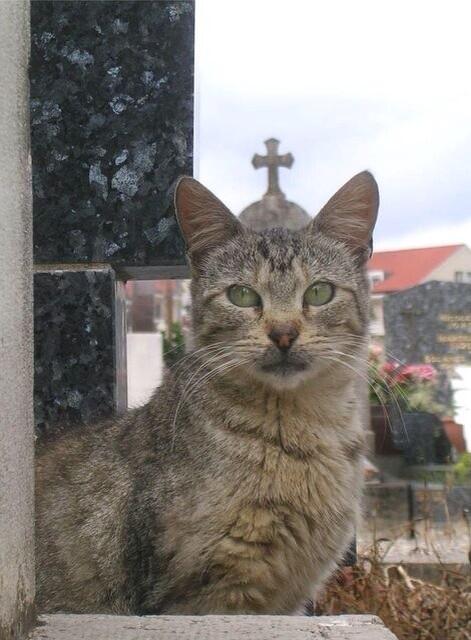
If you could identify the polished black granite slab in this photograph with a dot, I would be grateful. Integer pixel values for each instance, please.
(79, 339)
(111, 128)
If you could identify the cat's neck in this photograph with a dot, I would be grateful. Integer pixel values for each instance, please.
(297, 420)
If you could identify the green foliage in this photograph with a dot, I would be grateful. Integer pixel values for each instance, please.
(462, 469)
(422, 398)
(173, 346)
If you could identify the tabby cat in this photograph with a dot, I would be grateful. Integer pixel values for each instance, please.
(236, 488)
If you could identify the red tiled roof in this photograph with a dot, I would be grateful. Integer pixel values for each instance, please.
(406, 268)
(454, 432)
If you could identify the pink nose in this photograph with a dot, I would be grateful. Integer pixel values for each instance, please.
(283, 335)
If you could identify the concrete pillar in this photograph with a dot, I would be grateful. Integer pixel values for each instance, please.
(16, 352)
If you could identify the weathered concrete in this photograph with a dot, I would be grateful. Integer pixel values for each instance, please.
(73, 627)
(16, 354)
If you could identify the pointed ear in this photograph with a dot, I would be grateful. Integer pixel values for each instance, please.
(204, 220)
(350, 214)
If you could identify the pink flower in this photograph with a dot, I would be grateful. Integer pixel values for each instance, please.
(375, 352)
(415, 373)
(426, 372)
(387, 371)
(389, 367)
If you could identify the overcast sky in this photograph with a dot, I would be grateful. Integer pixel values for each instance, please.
(345, 86)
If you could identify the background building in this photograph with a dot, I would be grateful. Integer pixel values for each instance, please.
(392, 271)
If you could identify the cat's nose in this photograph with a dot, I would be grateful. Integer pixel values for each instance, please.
(283, 335)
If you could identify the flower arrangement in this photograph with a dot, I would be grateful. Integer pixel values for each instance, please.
(410, 387)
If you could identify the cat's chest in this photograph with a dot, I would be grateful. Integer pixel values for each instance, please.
(267, 474)
(270, 460)
(279, 503)
(284, 455)
(284, 516)
(286, 450)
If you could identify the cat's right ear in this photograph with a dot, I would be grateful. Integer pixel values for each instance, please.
(204, 220)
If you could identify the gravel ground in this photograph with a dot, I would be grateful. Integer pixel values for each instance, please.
(448, 544)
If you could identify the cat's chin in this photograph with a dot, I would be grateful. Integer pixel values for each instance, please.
(284, 368)
(285, 383)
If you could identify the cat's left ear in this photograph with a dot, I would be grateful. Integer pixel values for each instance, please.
(205, 222)
(350, 215)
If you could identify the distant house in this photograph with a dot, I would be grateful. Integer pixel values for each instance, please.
(153, 305)
(391, 271)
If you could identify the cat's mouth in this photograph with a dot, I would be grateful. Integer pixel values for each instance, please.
(284, 366)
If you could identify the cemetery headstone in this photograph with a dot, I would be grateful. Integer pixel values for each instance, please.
(111, 127)
(111, 86)
(430, 324)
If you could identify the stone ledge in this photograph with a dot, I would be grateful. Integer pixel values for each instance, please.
(104, 627)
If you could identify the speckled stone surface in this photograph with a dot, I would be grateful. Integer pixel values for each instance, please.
(77, 337)
(111, 128)
(430, 323)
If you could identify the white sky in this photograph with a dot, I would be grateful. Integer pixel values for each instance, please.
(345, 86)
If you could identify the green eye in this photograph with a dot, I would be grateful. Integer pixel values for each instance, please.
(319, 293)
(243, 296)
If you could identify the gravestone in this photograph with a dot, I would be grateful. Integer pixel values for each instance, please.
(273, 210)
(80, 363)
(111, 86)
(111, 127)
(430, 324)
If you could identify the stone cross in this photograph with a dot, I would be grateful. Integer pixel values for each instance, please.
(272, 161)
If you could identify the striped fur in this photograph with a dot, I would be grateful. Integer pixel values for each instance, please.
(237, 487)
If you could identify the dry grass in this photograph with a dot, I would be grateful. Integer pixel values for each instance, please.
(412, 609)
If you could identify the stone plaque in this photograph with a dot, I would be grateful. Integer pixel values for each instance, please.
(430, 323)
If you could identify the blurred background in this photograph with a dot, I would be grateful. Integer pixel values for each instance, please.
(344, 87)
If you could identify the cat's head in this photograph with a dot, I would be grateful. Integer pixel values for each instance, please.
(279, 306)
